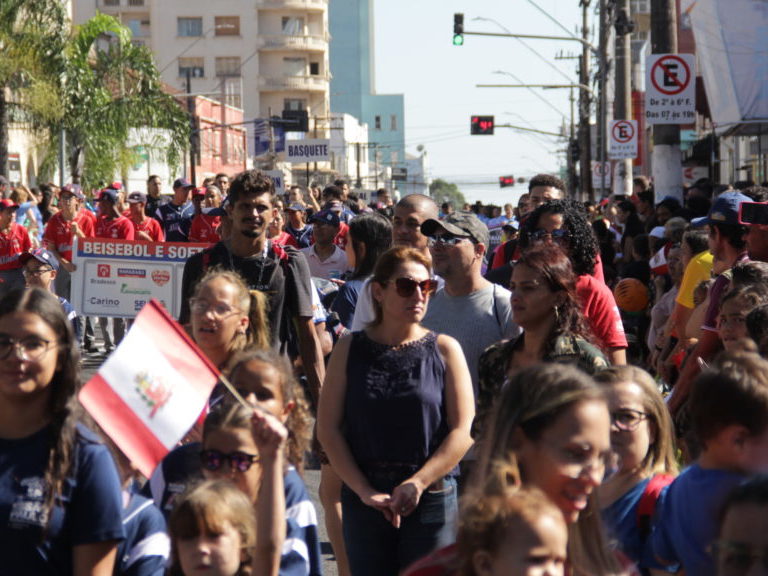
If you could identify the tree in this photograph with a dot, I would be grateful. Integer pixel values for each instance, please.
(33, 34)
(442, 191)
(111, 87)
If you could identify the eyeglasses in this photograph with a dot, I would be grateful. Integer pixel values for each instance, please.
(31, 347)
(213, 460)
(445, 240)
(36, 272)
(406, 287)
(737, 557)
(559, 235)
(219, 310)
(628, 420)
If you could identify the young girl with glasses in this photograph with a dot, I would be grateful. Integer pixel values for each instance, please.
(394, 418)
(60, 495)
(642, 441)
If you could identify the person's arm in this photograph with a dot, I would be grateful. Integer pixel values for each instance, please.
(460, 411)
(330, 417)
(311, 351)
(706, 348)
(617, 356)
(96, 559)
(270, 436)
(680, 316)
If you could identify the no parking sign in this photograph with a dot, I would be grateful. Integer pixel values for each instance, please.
(623, 139)
(670, 89)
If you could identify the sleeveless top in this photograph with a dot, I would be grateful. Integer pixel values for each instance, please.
(394, 409)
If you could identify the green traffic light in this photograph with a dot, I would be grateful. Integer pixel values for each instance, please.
(458, 40)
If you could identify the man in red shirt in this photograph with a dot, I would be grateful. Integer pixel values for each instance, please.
(144, 228)
(14, 240)
(207, 219)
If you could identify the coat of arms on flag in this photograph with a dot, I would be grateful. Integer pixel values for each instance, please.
(152, 389)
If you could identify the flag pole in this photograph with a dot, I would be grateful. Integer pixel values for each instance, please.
(228, 385)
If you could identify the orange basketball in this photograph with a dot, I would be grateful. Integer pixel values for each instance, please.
(631, 295)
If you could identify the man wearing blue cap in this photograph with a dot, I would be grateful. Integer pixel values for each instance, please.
(176, 216)
(728, 244)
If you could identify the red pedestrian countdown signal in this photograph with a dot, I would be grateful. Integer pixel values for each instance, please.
(481, 125)
(505, 181)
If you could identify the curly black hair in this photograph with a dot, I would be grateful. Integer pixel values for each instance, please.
(582, 243)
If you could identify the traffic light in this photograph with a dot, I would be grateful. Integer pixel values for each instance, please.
(505, 181)
(458, 29)
(481, 125)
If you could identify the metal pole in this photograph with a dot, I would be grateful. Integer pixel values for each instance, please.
(585, 140)
(623, 104)
(603, 82)
(192, 135)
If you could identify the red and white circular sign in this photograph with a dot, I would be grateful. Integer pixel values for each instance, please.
(623, 131)
(670, 75)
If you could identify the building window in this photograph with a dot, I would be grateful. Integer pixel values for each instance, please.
(393, 122)
(195, 66)
(294, 104)
(189, 26)
(135, 2)
(227, 25)
(227, 66)
(295, 66)
(314, 68)
(293, 26)
(111, 2)
(377, 123)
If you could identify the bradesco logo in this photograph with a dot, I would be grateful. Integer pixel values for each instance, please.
(103, 271)
(161, 277)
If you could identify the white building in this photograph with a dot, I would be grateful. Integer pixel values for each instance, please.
(349, 149)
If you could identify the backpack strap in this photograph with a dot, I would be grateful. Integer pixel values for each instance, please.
(646, 507)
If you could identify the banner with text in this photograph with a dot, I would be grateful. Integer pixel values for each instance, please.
(303, 151)
(116, 278)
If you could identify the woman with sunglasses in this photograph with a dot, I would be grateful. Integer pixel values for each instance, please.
(544, 305)
(60, 494)
(642, 441)
(394, 418)
(565, 224)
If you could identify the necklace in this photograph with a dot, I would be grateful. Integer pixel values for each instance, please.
(262, 265)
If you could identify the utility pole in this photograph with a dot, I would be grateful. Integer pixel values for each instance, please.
(666, 157)
(585, 139)
(623, 103)
(193, 125)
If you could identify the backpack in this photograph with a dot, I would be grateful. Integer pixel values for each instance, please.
(647, 505)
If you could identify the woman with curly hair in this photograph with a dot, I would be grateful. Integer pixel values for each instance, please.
(564, 223)
(544, 305)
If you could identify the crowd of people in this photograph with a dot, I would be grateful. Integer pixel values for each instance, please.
(553, 387)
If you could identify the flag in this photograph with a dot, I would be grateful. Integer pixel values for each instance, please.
(658, 262)
(152, 389)
(262, 134)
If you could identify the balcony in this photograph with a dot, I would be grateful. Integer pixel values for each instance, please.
(123, 5)
(309, 5)
(294, 83)
(290, 42)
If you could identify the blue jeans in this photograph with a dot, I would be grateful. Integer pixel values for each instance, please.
(375, 547)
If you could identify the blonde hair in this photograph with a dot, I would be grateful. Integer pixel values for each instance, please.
(206, 508)
(661, 454)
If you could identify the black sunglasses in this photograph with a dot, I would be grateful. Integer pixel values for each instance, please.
(407, 286)
(213, 460)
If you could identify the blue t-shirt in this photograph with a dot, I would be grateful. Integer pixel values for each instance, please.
(687, 518)
(146, 547)
(88, 511)
(346, 300)
(175, 220)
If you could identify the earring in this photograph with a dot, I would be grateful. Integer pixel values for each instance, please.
(557, 314)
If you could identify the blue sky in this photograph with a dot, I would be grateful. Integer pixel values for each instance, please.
(415, 57)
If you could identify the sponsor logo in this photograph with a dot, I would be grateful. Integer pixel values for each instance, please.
(104, 271)
(106, 282)
(153, 390)
(105, 302)
(131, 273)
(138, 305)
(161, 277)
(124, 289)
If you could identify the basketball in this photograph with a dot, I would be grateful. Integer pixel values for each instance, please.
(631, 295)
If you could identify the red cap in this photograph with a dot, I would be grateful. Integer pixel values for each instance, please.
(7, 203)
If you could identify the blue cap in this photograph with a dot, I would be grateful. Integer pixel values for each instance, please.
(326, 217)
(41, 255)
(725, 210)
(108, 194)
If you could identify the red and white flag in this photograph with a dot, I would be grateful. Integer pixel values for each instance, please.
(152, 389)
(658, 262)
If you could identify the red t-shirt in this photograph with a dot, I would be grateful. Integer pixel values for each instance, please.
(149, 226)
(204, 228)
(341, 236)
(119, 228)
(499, 260)
(599, 307)
(285, 239)
(58, 232)
(12, 244)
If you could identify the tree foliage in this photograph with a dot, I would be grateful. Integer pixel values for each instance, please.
(442, 191)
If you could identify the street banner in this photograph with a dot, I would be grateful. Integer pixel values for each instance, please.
(116, 278)
(623, 139)
(670, 89)
(303, 151)
(151, 390)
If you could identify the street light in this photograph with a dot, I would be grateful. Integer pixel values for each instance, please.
(584, 87)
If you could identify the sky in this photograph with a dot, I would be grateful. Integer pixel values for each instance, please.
(415, 57)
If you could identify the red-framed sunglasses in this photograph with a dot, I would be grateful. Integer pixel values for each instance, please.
(406, 287)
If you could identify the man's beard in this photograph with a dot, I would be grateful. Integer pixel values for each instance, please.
(250, 233)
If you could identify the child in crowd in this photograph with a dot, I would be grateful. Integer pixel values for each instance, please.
(521, 533)
(729, 415)
(734, 308)
(744, 531)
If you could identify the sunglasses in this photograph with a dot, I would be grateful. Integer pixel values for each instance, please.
(213, 460)
(557, 235)
(445, 240)
(406, 287)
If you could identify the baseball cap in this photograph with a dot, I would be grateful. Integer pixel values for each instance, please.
(73, 189)
(137, 198)
(41, 255)
(182, 183)
(108, 194)
(657, 232)
(198, 192)
(7, 203)
(326, 217)
(724, 210)
(461, 224)
(297, 207)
